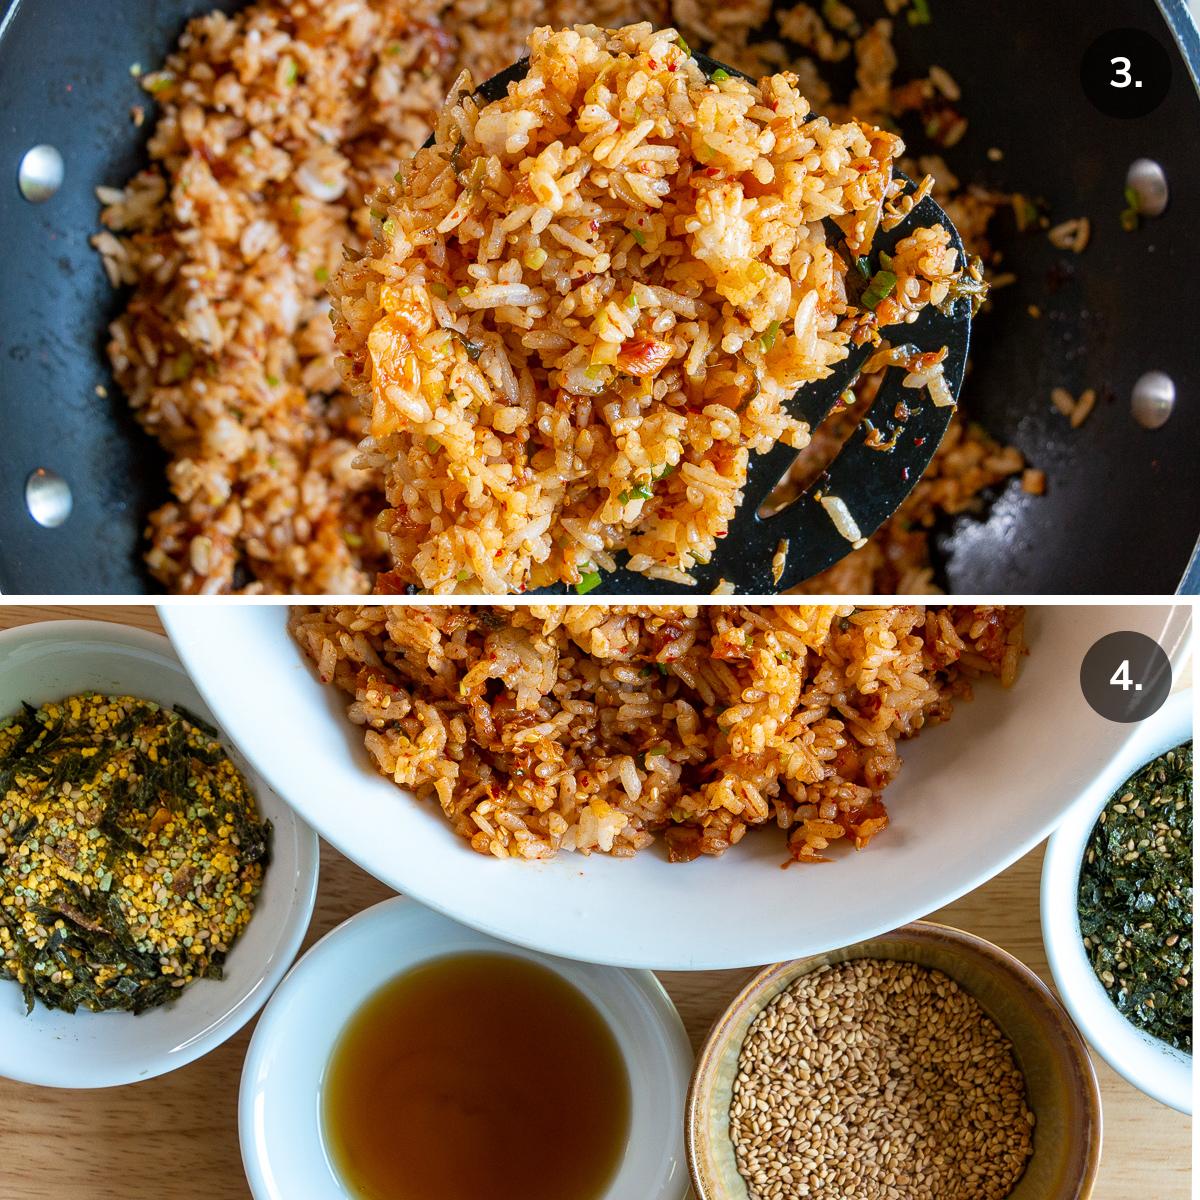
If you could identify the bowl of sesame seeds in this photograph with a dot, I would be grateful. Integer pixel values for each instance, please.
(1117, 916)
(926, 1062)
(153, 889)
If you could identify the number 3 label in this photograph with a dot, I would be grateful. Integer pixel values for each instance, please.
(1124, 78)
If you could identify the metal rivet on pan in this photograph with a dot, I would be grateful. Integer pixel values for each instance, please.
(1148, 181)
(40, 174)
(1153, 399)
(48, 497)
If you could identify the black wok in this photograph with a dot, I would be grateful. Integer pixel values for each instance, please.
(1122, 509)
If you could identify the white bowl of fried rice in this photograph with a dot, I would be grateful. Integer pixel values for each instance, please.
(870, 842)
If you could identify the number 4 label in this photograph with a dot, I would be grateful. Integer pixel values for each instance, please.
(1122, 679)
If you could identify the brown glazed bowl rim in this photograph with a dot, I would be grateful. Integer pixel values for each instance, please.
(1086, 1122)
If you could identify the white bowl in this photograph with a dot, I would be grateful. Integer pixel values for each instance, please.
(972, 796)
(46, 661)
(1154, 1067)
(279, 1110)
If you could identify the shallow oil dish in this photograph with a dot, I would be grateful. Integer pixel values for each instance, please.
(478, 1050)
(287, 1149)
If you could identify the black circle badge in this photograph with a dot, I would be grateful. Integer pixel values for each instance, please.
(1125, 73)
(1125, 677)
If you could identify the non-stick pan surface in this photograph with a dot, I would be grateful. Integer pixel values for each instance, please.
(1123, 507)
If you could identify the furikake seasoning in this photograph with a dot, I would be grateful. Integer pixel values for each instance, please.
(131, 853)
(1135, 898)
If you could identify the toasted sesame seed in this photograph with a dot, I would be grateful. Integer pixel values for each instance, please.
(879, 1080)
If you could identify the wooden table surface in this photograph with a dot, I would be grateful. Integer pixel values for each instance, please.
(175, 1137)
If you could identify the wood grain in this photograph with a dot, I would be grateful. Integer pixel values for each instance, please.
(175, 1137)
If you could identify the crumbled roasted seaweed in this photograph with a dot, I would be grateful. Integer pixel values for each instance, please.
(84, 929)
(1135, 898)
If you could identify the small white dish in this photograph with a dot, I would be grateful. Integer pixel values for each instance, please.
(52, 659)
(279, 1109)
(1150, 1065)
(972, 797)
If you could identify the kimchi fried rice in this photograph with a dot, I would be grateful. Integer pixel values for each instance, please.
(539, 729)
(588, 301)
(274, 125)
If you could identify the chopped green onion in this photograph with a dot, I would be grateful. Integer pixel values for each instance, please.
(389, 228)
(683, 45)
(879, 289)
(863, 263)
(631, 301)
(440, 290)
(183, 366)
(638, 236)
(919, 14)
(398, 177)
(1132, 211)
(352, 539)
(720, 75)
(292, 73)
(463, 575)
(885, 260)
(589, 583)
(669, 469)
(161, 84)
(661, 748)
(321, 274)
(639, 491)
(476, 173)
(273, 381)
(768, 338)
(396, 48)
(594, 371)
(662, 669)
(464, 291)
(432, 445)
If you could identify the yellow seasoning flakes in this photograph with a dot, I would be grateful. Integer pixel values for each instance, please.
(131, 853)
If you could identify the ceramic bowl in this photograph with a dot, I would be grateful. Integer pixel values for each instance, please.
(973, 796)
(52, 659)
(1062, 1088)
(1157, 1069)
(282, 1136)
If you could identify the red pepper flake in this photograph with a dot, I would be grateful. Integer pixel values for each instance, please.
(671, 67)
(918, 441)
(905, 474)
(594, 225)
(653, 65)
(723, 533)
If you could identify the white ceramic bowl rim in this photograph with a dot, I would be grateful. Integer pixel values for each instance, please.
(50, 659)
(1156, 1068)
(971, 799)
(279, 1110)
